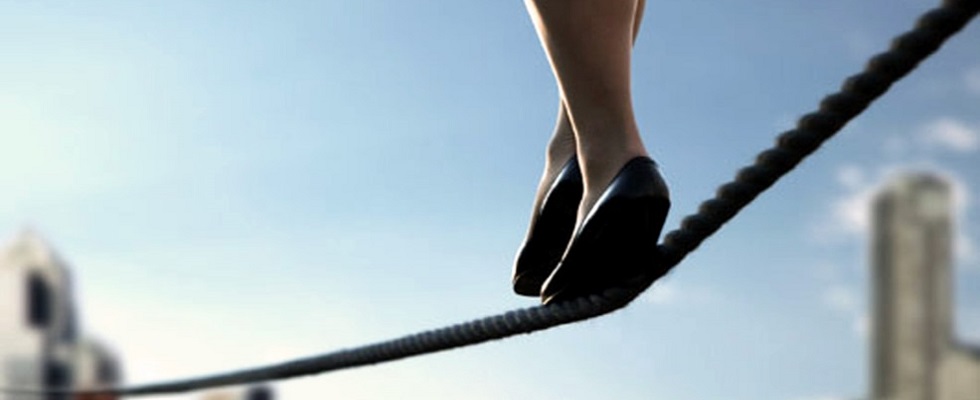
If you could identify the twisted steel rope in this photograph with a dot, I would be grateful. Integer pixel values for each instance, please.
(906, 52)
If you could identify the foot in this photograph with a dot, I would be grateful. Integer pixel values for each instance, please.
(551, 228)
(552, 215)
(618, 238)
(599, 167)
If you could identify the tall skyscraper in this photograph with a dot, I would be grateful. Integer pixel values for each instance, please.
(915, 355)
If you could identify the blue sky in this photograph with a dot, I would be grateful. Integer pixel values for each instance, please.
(244, 182)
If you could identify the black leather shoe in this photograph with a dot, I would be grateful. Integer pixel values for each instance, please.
(618, 239)
(551, 227)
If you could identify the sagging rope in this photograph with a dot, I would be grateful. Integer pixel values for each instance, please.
(812, 130)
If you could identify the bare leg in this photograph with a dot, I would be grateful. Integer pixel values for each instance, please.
(589, 45)
(563, 141)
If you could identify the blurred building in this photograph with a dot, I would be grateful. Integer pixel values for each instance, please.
(39, 341)
(95, 366)
(915, 354)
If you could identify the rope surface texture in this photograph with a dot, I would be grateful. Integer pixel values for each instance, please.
(791, 147)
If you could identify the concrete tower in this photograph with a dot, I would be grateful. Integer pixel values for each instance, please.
(913, 347)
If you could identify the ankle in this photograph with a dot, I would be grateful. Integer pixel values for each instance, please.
(600, 165)
(560, 149)
(609, 154)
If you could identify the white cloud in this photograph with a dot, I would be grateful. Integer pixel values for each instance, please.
(850, 213)
(950, 134)
(853, 212)
(972, 79)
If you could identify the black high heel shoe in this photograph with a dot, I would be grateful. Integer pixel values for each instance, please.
(550, 229)
(618, 239)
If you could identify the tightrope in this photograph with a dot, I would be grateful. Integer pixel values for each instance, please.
(906, 51)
